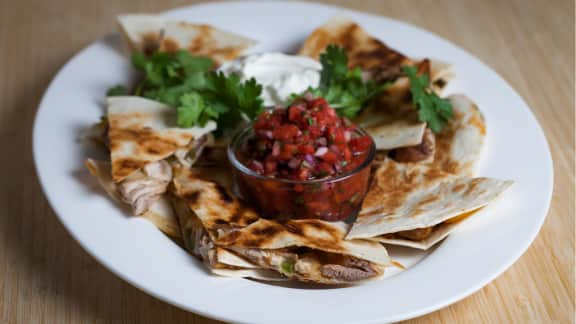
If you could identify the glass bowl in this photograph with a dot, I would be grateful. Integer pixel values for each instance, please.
(332, 199)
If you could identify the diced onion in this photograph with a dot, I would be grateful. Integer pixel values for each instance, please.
(309, 161)
(347, 136)
(276, 149)
(321, 151)
(321, 141)
(337, 167)
(258, 165)
(335, 149)
(294, 163)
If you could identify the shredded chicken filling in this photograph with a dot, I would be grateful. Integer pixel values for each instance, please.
(143, 188)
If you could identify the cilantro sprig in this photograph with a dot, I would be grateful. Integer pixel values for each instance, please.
(432, 109)
(187, 83)
(342, 87)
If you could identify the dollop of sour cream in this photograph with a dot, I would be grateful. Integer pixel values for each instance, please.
(279, 74)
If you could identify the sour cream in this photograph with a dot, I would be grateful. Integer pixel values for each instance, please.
(279, 74)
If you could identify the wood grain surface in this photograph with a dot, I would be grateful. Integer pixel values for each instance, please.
(45, 277)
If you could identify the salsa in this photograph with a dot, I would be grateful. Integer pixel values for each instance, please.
(305, 141)
(304, 161)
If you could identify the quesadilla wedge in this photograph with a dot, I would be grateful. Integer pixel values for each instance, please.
(142, 131)
(424, 238)
(219, 261)
(307, 250)
(406, 197)
(363, 50)
(158, 210)
(148, 33)
(391, 120)
(143, 32)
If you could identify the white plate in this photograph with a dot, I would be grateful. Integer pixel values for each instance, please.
(133, 249)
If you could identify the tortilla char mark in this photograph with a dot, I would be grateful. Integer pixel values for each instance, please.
(363, 50)
(225, 196)
(267, 234)
(214, 204)
(125, 166)
(145, 147)
(394, 182)
(373, 55)
(150, 42)
(191, 197)
(170, 45)
(203, 43)
(477, 120)
(472, 187)
(467, 125)
(133, 145)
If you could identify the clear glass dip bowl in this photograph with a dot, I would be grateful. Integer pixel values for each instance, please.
(332, 199)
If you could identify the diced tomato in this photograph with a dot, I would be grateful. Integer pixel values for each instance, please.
(295, 112)
(347, 154)
(330, 157)
(286, 132)
(318, 102)
(306, 149)
(303, 173)
(315, 131)
(270, 166)
(299, 133)
(288, 151)
(325, 169)
(339, 137)
(360, 144)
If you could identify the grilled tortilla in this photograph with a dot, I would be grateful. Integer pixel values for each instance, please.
(459, 145)
(376, 59)
(291, 247)
(363, 50)
(219, 261)
(148, 33)
(392, 119)
(425, 237)
(142, 131)
(408, 196)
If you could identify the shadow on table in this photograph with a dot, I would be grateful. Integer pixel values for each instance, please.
(44, 264)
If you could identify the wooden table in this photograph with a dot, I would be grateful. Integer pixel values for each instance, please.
(45, 277)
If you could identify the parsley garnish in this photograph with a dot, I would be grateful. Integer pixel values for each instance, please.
(432, 109)
(187, 83)
(342, 87)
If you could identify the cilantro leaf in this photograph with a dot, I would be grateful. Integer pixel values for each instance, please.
(342, 87)
(242, 98)
(334, 66)
(118, 90)
(432, 109)
(190, 109)
(198, 94)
